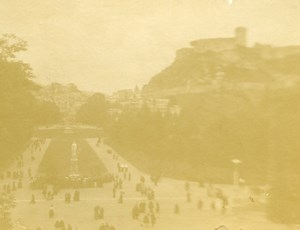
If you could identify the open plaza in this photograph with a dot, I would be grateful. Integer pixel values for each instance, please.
(168, 203)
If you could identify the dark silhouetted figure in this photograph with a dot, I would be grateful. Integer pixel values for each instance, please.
(188, 197)
(51, 211)
(32, 199)
(200, 204)
(176, 209)
(146, 220)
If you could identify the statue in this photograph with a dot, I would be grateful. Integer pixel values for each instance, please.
(74, 150)
(74, 162)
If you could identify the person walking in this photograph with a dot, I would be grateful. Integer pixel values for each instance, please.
(200, 204)
(150, 206)
(32, 199)
(114, 192)
(213, 205)
(121, 198)
(157, 207)
(176, 209)
(187, 186)
(76, 195)
(62, 225)
(152, 219)
(188, 197)
(51, 211)
(57, 225)
(66, 197)
(96, 212)
(146, 220)
(101, 213)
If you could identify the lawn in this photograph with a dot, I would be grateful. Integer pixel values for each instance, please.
(57, 162)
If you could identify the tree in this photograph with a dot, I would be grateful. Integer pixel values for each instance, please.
(16, 99)
(47, 113)
(284, 160)
(10, 44)
(94, 111)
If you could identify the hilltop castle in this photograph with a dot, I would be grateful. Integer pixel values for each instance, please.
(221, 44)
(227, 63)
(239, 40)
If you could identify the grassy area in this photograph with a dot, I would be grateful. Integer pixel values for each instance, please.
(57, 159)
(175, 168)
(184, 169)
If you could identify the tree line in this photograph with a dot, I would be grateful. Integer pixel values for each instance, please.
(20, 111)
(261, 130)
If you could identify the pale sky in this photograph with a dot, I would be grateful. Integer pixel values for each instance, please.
(105, 45)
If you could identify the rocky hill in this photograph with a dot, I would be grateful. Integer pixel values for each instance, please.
(241, 67)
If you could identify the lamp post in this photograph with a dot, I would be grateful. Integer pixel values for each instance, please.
(236, 176)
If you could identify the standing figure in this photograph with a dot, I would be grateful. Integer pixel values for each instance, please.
(96, 212)
(76, 195)
(200, 204)
(114, 192)
(157, 207)
(176, 209)
(51, 211)
(146, 220)
(32, 199)
(121, 198)
(152, 219)
(188, 197)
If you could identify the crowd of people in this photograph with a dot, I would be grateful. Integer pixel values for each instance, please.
(60, 225)
(12, 178)
(67, 182)
(146, 211)
(106, 226)
(98, 212)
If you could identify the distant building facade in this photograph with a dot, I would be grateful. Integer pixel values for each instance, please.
(133, 99)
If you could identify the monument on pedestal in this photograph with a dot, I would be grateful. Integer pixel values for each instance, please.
(74, 162)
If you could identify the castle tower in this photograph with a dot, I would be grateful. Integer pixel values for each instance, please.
(74, 162)
(241, 36)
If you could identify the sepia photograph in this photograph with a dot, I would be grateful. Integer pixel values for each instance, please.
(150, 114)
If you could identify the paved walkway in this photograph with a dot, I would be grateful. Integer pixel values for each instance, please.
(80, 214)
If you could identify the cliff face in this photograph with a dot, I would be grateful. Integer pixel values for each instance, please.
(244, 66)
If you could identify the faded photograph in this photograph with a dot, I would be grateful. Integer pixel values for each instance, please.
(163, 115)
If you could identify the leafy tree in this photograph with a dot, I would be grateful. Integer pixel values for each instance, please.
(284, 161)
(16, 99)
(94, 111)
(213, 129)
(10, 44)
(47, 113)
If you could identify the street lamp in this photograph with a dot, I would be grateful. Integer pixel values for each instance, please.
(236, 176)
